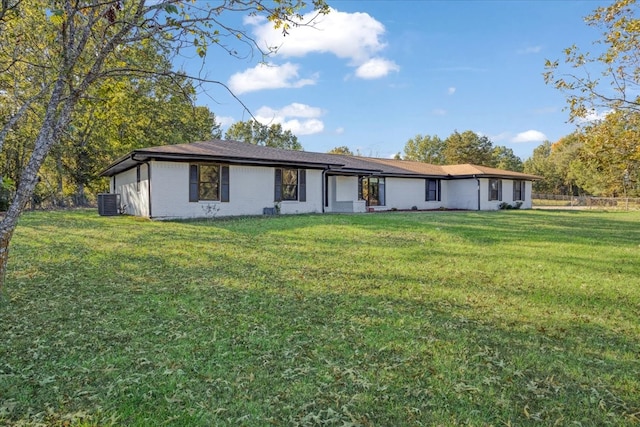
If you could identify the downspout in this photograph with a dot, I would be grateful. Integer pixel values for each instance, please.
(478, 180)
(324, 188)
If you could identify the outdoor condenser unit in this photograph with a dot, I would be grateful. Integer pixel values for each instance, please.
(108, 204)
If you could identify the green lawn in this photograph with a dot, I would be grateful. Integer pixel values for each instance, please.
(396, 319)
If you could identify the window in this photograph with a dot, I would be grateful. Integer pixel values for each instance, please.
(495, 189)
(208, 182)
(371, 189)
(432, 190)
(290, 184)
(519, 190)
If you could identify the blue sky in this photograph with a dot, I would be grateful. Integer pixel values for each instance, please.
(374, 74)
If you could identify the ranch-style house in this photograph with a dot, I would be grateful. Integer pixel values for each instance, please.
(225, 178)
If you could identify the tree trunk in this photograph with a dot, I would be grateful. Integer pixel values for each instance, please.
(24, 192)
(80, 196)
(5, 238)
(55, 119)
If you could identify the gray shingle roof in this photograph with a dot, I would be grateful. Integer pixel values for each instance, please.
(245, 153)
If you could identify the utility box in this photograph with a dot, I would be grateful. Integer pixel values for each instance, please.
(108, 204)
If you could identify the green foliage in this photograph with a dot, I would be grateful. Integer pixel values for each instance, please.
(558, 164)
(125, 115)
(602, 159)
(257, 133)
(7, 187)
(468, 147)
(459, 148)
(505, 158)
(524, 318)
(427, 149)
(608, 161)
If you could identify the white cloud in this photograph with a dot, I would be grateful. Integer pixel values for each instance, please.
(339, 131)
(504, 136)
(268, 76)
(439, 112)
(529, 136)
(300, 110)
(451, 90)
(356, 37)
(304, 127)
(376, 68)
(529, 49)
(594, 116)
(290, 118)
(225, 120)
(254, 20)
(347, 35)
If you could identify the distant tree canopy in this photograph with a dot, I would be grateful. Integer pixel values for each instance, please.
(553, 162)
(602, 159)
(427, 149)
(458, 148)
(257, 133)
(341, 150)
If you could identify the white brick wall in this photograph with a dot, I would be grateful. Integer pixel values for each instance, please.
(251, 188)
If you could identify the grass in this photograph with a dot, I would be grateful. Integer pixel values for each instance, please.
(473, 318)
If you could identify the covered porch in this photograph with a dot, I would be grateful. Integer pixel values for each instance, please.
(352, 193)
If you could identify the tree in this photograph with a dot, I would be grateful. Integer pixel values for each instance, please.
(341, 150)
(608, 162)
(130, 114)
(558, 164)
(468, 147)
(427, 148)
(505, 158)
(616, 84)
(540, 164)
(54, 53)
(254, 132)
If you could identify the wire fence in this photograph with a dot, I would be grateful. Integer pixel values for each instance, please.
(585, 202)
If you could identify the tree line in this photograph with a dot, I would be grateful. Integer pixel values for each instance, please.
(601, 159)
(460, 148)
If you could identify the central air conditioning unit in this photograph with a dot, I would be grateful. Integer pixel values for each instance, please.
(108, 204)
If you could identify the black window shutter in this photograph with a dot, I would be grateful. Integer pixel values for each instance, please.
(302, 185)
(193, 183)
(278, 185)
(439, 188)
(500, 189)
(426, 189)
(360, 195)
(523, 190)
(224, 184)
(138, 178)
